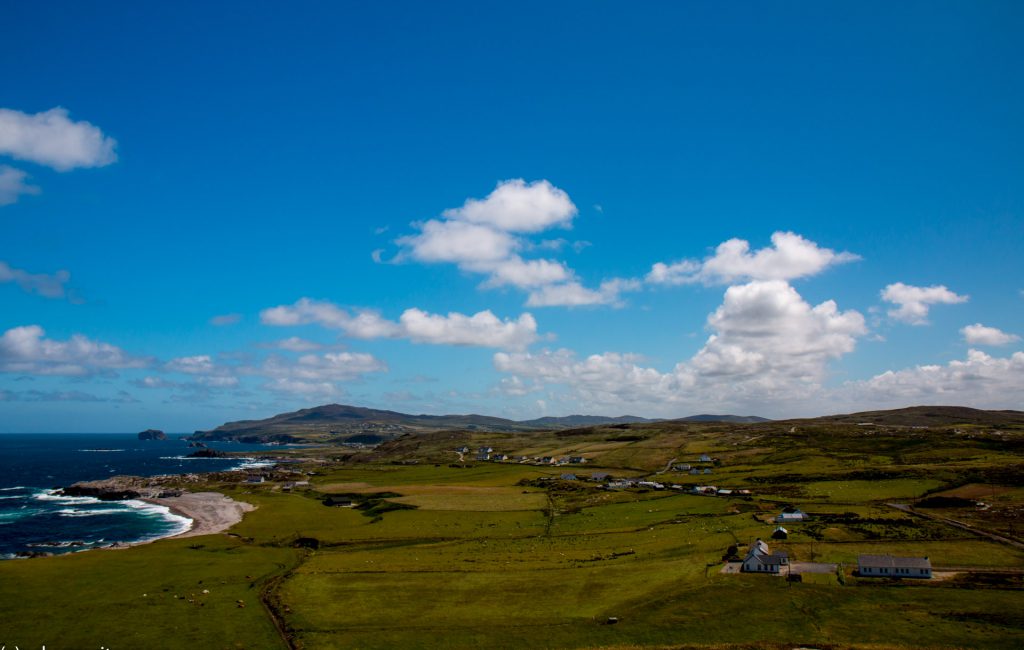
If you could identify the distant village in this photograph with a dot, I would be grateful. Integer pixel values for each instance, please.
(610, 482)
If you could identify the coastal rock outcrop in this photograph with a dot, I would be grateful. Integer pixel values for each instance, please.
(115, 488)
(152, 434)
(206, 452)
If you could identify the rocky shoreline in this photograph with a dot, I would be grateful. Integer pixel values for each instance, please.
(209, 512)
(120, 488)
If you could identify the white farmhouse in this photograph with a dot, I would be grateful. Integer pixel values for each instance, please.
(761, 560)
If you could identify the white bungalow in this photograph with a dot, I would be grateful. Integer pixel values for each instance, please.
(888, 566)
(761, 560)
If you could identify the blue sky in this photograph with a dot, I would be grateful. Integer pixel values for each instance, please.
(221, 213)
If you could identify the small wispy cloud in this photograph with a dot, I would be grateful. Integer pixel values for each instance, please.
(225, 319)
(48, 285)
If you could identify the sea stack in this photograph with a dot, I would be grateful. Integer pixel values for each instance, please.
(152, 434)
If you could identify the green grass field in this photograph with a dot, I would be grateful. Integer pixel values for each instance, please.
(488, 556)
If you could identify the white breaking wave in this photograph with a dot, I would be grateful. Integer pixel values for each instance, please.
(252, 463)
(192, 458)
(51, 495)
(76, 542)
(16, 487)
(181, 524)
(101, 450)
(74, 512)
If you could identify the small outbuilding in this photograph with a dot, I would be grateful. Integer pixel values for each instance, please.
(780, 533)
(790, 515)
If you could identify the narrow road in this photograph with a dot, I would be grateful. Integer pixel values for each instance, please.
(668, 466)
(995, 537)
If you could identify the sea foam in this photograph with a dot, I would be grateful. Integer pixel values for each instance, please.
(51, 495)
(181, 523)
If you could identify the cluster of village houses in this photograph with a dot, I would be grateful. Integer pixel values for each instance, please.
(488, 453)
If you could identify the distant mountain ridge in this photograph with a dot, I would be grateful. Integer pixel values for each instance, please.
(344, 423)
(922, 416)
(734, 419)
(360, 424)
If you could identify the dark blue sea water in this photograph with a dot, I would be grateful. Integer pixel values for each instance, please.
(34, 518)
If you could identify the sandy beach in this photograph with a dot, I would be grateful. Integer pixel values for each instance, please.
(210, 512)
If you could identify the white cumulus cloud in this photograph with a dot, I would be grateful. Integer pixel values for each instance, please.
(487, 237)
(459, 242)
(913, 302)
(574, 294)
(362, 324)
(979, 334)
(979, 380)
(518, 206)
(767, 329)
(51, 138)
(768, 344)
(789, 257)
(26, 350)
(482, 329)
(524, 274)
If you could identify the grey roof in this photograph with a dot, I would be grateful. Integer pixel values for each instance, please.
(894, 562)
(760, 553)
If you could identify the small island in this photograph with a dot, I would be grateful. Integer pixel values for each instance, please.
(152, 434)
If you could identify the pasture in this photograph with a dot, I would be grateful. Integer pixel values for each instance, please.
(506, 555)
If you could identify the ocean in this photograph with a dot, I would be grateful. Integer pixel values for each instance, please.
(34, 518)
